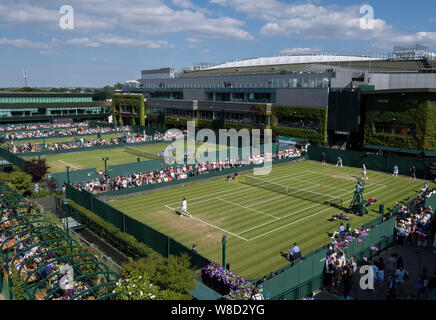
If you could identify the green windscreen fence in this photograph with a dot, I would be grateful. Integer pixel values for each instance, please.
(190, 179)
(431, 202)
(371, 161)
(156, 240)
(76, 176)
(12, 158)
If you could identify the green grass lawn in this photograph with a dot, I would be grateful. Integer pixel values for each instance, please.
(260, 224)
(92, 159)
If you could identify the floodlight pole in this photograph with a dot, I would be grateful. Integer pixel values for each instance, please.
(224, 242)
(105, 159)
(67, 209)
(68, 174)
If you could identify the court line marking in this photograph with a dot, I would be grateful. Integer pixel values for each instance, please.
(211, 225)
(276, 218)
(254, 210)
(285, 195)
(299, 220)
(220, 192)
(332, 175)
(68, 164)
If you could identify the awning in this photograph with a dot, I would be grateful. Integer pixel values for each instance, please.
(202, 292)
(393, 149)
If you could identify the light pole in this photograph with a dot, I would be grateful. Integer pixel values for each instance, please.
(224, 242)
(67, 209)
(105, 159)
(68, 174)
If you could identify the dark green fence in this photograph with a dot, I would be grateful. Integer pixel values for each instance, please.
(431, 202)
(371, 161)
(12, 158)
(76, 176)
(149, 187)
(156, 240)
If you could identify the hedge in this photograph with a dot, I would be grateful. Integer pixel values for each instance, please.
(111, 230)
(317, 113)
(423, 117)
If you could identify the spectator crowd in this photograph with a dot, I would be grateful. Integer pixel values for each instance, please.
(39, 133)
(86, 143)
(169, 173)
(47, 126)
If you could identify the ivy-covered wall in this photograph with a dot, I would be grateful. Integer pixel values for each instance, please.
(134, 101)
(317, 114)
(423, 117)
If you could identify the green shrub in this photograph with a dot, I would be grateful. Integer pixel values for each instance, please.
(19, 181)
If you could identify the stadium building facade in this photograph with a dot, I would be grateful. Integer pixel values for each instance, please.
(44, 106)
(316, 97)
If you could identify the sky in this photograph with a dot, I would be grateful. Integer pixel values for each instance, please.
(101, 42)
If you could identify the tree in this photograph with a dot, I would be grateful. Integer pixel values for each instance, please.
(173, 276)
(118, 86)
(37, 168)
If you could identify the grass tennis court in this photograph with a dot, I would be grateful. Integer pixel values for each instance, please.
(261, 224)
(84, 159)
(93, 159)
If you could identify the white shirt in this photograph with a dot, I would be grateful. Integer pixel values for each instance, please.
(399, 275)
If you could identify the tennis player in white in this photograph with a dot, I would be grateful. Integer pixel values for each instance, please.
(184, 208)
(364, 172)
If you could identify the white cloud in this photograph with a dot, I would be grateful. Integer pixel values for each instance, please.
(25, 43)
(289, 51)
(145, 17)
(109, 39)
(315, 21)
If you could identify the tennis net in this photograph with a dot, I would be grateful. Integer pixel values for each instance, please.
(145, 154)
(294, 192)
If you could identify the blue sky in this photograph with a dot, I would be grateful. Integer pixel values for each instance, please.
(113, 40)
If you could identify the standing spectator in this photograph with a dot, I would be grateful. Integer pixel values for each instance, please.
(395, 171)
(400, 230)
(381, 272)
(413, 172)
(323, 158)
(422, 283)
(392, 285)
(346, 281)
(401, 276)
(391, 264)
(256, 295)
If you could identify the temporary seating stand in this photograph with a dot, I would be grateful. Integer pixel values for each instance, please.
(30, 244)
